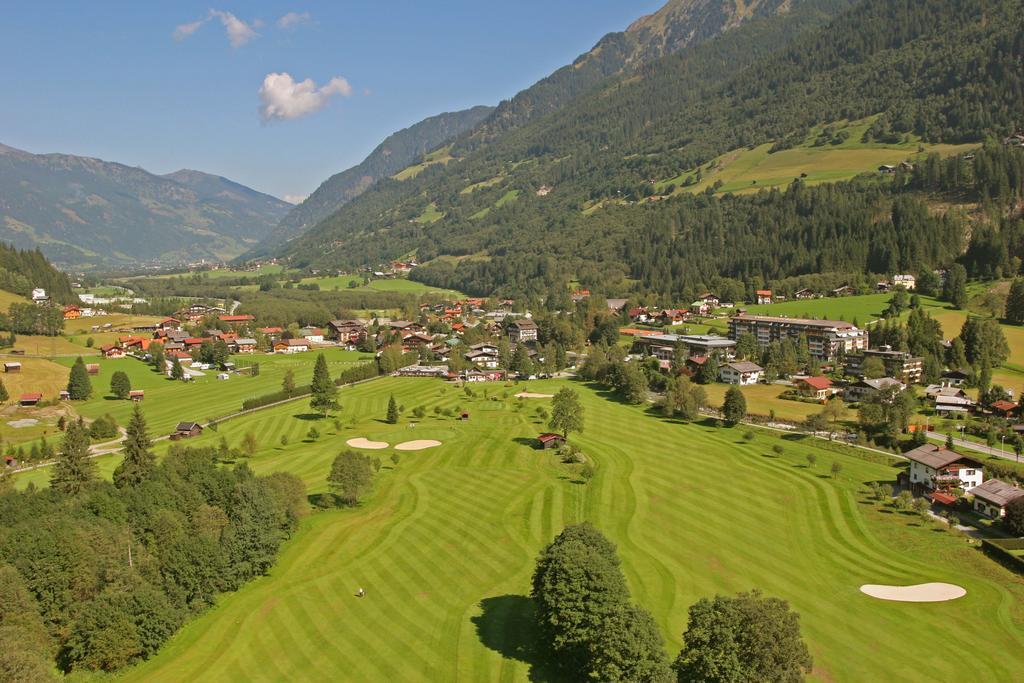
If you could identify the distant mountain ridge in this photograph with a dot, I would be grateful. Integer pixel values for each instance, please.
(86, 212)
(397, 151)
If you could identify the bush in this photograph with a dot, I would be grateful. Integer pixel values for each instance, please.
(103, 428)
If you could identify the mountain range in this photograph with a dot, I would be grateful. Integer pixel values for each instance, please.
(88, 212)
(574, 178)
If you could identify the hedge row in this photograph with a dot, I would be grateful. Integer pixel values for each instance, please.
(999, 550)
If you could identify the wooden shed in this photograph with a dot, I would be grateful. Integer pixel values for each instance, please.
(12, 366)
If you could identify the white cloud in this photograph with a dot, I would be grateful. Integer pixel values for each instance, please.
(285, 98)
(294, 20)
(183, 31)
(294, 198)
(238, 32)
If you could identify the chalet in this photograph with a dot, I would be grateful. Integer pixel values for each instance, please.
(523, 330)
(312, 334)
(490, 375)
(483, 359)
(616, 305)
(195, 342)
(346, 331)
(237, 319)
(416, 340)
(819, 388)
(39, 297)
(1004, 408)
(992, 497)
(858, 391)
(700, 307)
(405, 326)
(185, 430)
(169, 324)
(270, 331)
(950, 400)
(580, 295)
(550, 440)
(741, 372)
(954, 378)
(29, 399)
(804, 293)
(710, 299)
(904, 280)
(12, 366)
(671, 316)
(72, 312)
(64, 395)
(137, 394)
(111, 351)
(291, 346)
(937, 467)
(764, 296)
(243, 345)
(845, 290)
(92, 368)
(173, 347)
(638, 314)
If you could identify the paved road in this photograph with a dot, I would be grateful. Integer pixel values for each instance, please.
(1007, 454)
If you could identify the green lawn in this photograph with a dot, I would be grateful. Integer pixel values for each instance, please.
(445, 545)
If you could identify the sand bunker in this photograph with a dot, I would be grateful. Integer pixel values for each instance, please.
(25, 422)
(418, 445)
(360, 442)
(922, 592)
(527, 394)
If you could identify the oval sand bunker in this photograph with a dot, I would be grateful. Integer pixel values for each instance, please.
(418, 445)
(360, 442)
(922, 592)
(530, 394)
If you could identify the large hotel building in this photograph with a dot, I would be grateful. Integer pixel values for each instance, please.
(824, 337)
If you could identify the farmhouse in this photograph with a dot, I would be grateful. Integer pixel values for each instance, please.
(764, 296)
(804, 294)
(111, 351)
(825, 338)
(954, 378)
(312, 334)
(72, 312)
(741, 372)
(992, 497)
(291, 346)
(1003, 408)
(243, 345)
(522, 330)
(858, 391)
(818, 388)
(30, 399)
(137, 394)
(905, 281)
(237, 319)
(937, 467)
(845, 290)
(185, 430)
(549, 440)
(950, 400)
(405, 326)
(12, 366)
(483, 358)
(92, 368)
(169, 324)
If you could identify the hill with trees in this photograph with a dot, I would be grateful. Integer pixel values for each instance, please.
(579, 194)
(85, 212)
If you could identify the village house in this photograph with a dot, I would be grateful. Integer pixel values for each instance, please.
(819, 388)
(270, 331)
(405, 326)
(859, 391)
(112, 351)
(243, 345)
(992, 497)
(312, 334)
(741, 372)
(39, 297)
(72, 312)
(416, 340)
(671, 316)
(763, 296)
(949, 400)
(92, 368)
(825, 338)
(937, 467)
(169, 324)
(1004, 409)
(522, 330)
(439, 371)
(804, 293)
(616, 305)
(638, 314)
(954, 378)
(845, 290)
(237, 319)
(904, 280)
(291, 346)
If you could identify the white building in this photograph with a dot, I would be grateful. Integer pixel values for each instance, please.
(741, 372)
(992, 497)
(937, 467)
(904, 281)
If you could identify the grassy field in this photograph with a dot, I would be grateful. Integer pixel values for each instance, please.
(8, 298)
(445, 545)
(864, 308)
(439, 156)
(226, 273)
(762, 399)
(384, 285)
(748, 170)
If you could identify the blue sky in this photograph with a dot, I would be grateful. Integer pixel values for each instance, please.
(190, 85)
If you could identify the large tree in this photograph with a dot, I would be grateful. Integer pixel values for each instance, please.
(74, 470)
(1015, 302)
(79, 386)
(628, 647)
(743, 638)
(351, 475)
(3, 392)
(1014, 519)
(392, 416)
(683, 398)
(954, 290)
(139, 461)
(984, 342)
(177, 372)
(323, 389)
(120, 384)
(734, 409)
(566, 412)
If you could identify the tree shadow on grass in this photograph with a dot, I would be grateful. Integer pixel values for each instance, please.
(308, 417)
(794, 437)
(526, 441)
(507, 624)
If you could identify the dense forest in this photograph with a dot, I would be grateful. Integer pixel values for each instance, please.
(97, 575)
(21, 271)
(936, 70)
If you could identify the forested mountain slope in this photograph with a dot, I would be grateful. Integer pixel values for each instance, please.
(567, 194)
(397, 151)
(82, 211)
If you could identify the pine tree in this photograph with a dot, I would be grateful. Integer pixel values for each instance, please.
(735, 407)
(1015, 302)
(3, 392)
(120, 385)
(177, 372)
(159, 359)
(139, 461)
(79, 386)
(73, 469)
(323, 388)
(392, 417)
